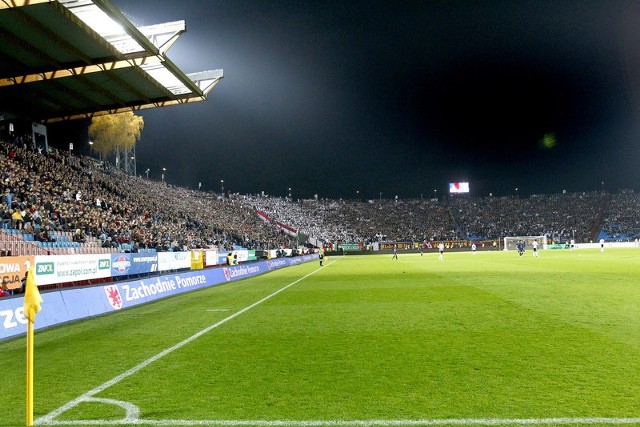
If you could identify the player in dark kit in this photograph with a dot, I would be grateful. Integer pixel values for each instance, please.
(520, 247)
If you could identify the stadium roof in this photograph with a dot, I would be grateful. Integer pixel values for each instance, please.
(71, 59)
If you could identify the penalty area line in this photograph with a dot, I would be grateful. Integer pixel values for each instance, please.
(49, 419)
(361, 423)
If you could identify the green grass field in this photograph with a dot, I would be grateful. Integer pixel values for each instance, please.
(472, 340)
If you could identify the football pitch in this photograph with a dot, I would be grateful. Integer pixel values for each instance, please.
(484, 339)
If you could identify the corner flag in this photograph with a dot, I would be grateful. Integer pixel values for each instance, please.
(32, 301)
(32, 298)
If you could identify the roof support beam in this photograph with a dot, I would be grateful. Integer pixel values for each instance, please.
(134, 108)
(10, 4)
(79, 71)
(163, 36)
(206, 80)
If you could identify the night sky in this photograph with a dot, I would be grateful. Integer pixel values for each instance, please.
(355, 98)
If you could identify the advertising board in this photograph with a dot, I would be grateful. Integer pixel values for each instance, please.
(65, 305)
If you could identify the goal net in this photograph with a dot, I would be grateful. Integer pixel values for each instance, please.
(510, 243)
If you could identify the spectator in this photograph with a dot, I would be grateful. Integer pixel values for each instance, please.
(16, 219)
(79, 236)
(6, 216)
(4, 288)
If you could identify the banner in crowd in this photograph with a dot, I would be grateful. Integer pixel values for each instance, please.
(71, 304)
(286, 229)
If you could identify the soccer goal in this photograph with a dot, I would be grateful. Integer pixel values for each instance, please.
(511, 242)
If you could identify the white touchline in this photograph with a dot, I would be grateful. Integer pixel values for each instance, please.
(360, 423)
(53, 414)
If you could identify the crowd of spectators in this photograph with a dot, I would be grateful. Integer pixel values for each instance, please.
(561, 217)
(621, 220)
(44, 193)
(363, 221)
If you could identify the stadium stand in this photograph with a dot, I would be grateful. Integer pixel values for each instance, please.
(115, 212)
(53, 203)
(621, 221)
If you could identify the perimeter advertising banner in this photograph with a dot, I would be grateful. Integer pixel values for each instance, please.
(197, 260)
(67, 305)
(173, 260)
(51, 269)
(211, 258)
(352, 246)
(13, 268)
(126, 264)
(243, 255)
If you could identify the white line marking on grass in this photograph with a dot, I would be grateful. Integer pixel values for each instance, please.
(49, 418)
(132, 412)
(361, 423)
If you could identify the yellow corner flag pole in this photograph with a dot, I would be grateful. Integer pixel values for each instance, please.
(32, 302)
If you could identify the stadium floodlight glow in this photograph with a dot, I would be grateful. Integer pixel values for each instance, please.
(103, 24)
(162, 36)
(166, 78)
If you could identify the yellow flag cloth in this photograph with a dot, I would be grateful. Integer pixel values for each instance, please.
(32, 298)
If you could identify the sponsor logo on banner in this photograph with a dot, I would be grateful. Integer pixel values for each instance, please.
(104, 264)
(129, 264)
(113, 295)
(121, 264)
(44, 268)
(240, 271)
(276, 263)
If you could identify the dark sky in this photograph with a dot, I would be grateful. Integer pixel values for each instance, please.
(401, 97)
